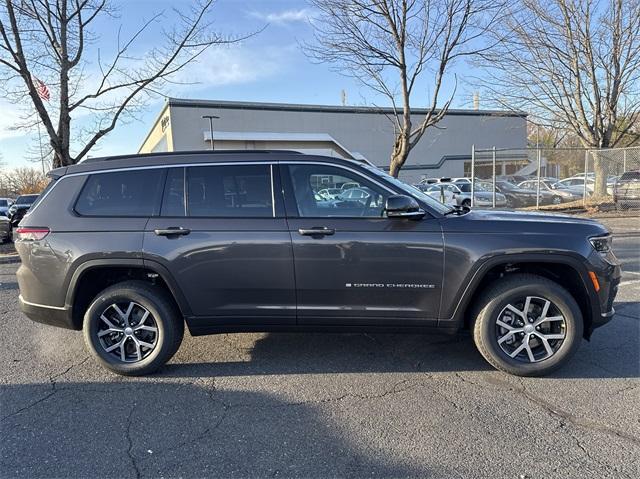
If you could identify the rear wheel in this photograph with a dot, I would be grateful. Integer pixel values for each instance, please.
(527, 325)
(133, 328)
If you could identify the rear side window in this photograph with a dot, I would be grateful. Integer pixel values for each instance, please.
(229, 191)
(123, 193)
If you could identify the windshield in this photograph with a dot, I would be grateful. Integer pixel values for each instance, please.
(26, 199)
(410, 190)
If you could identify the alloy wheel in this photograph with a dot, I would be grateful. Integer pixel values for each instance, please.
(530, 329)
(128, 332)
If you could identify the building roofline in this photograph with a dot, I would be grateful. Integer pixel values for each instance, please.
(244, 105)
(155, 122)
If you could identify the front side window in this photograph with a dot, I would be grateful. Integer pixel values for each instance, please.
(357, 196)
(130, 193)
(230, 191)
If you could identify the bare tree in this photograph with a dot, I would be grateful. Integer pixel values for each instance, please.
(24, 180)
(391, 46)
(48, 42)
(574, 64)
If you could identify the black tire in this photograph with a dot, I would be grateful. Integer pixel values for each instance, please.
(507, 290)
(167, 318)
(556, 200)
(466, 203)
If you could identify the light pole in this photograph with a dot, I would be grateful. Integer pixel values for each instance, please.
(211, 118)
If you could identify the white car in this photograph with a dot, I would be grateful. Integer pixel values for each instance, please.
(440, 193)
(577, 182)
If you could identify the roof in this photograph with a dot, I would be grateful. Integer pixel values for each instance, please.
(183, 157)
(244, 105)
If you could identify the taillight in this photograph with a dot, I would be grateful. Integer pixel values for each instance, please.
(31, 234)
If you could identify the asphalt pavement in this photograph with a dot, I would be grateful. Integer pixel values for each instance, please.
(320, 405)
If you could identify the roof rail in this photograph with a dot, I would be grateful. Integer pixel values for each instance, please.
(194, 152)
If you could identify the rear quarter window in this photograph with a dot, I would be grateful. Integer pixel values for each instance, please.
(123, 193)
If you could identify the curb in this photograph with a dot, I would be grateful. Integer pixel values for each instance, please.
(10, 259)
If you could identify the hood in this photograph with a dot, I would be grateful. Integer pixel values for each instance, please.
(521, 222)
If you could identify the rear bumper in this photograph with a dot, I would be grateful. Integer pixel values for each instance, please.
(52, 315)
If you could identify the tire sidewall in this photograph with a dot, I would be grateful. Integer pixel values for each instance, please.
(92, 320)
(562, 300)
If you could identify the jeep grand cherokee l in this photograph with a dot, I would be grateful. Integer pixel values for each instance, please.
(129, 249)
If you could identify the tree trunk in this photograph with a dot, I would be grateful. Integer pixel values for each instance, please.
(399, 155)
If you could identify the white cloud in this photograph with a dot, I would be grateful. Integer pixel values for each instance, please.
(285, 16)
(235, 65)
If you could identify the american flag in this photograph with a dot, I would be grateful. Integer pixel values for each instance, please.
(41, 88)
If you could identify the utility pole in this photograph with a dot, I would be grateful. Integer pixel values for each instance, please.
(211, 118)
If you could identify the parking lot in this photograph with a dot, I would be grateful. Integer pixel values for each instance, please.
(313, 405)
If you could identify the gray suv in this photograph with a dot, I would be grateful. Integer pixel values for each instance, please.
(128, 249)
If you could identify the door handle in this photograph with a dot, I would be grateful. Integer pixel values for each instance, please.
(324, 231)
(172, 231)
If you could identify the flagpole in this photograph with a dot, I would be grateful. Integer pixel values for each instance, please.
(44, 172)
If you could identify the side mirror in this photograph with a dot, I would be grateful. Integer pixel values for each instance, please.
(401, 206)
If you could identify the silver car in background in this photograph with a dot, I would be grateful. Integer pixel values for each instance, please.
(559, 192)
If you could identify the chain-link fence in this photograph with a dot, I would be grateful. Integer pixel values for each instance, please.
(555, 178)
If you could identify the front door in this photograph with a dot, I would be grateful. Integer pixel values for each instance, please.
(353, 265)
(222, 235)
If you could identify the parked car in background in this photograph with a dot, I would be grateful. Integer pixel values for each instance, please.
(578, 182)
(482, 197)
(626, 192)
(515, 179)
(516, 197)
(5, 229)
(558, 193)
(20, 208)
(330, 193)
(439, 192)
(5, 203)
(347, 186)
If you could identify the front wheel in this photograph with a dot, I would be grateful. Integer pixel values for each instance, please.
(133, 328)
(527, 325)
(556, 200)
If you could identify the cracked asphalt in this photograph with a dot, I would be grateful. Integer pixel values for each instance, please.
(313, 405)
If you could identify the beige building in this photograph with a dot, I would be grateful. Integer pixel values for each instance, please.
(364, 133)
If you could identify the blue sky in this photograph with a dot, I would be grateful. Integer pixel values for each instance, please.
(268, 67)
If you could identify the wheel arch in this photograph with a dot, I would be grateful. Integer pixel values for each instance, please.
(94, 276)
(565, 270)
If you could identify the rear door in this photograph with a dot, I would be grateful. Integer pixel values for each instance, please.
(353, 265)
(222, 234)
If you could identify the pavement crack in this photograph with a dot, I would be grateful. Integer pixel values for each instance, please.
(25, 408)
(562, 415)
(395, 389)
(53, 391)
(132, 457)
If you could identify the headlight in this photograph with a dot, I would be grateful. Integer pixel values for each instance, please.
(602, 244)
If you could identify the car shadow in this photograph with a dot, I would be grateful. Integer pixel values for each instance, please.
(138, 428)
(604, 356)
